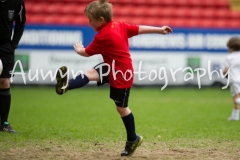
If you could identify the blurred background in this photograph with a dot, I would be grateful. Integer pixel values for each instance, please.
(201, 29)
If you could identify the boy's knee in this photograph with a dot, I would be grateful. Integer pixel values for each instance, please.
(237, 101)
(123, 111)
(4, 83)
(92, 75)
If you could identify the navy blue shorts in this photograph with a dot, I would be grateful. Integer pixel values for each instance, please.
(118, 95)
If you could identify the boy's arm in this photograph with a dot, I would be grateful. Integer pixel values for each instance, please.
(79, 49)
(151, 29)
(225, 67)
(225, 70)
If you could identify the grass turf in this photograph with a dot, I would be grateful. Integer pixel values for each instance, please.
(180, 117)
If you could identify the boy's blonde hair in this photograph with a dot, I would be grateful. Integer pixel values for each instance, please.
(234, 43)
(99, 8)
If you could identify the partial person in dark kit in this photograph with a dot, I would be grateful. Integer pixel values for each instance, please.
(12, 23)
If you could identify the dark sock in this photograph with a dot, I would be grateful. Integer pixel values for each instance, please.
(1, 111)
(130, 127)
(5, 102)
(78, 82)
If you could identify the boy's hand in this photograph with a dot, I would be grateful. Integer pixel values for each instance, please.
(79, 48)
(166, 30)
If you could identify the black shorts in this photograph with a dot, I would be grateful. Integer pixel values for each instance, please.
(7, 70)
(7, 58)
(118, 95)
(7, 52)
(102, 70)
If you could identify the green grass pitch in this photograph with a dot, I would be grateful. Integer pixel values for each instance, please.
(177, 117)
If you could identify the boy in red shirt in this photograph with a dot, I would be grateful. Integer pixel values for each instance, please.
(111, 42)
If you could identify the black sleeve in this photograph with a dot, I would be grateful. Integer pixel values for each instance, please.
(19, 25)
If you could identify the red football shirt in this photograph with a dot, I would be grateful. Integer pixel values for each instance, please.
(112, 43)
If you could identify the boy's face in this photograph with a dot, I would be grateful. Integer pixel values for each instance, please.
(230, 50)
(95, 23)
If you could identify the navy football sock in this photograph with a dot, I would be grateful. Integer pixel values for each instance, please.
(130, 127)
(78, 82)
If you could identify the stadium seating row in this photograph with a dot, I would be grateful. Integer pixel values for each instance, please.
(196, 12)
(56, 19)
(161, 3)
(131, 10)
(191, 3)
(175, 13)
(183, 22)
(56, 7)
(174, 22)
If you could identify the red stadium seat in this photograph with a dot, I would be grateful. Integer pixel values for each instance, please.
(54, 8)
(179, 22)
(117, 10)
(208, 3)
(168, 2)
(72, 20)
(150, 21)
(39, 8)
(181, 12)
(206, 23)
(207, 13)
(191, 22)
(72, 9)
(155, 3)
(222, 4)
(194, 12)
(81, 20)
(222, 13)
(29, 7)
(233, 24)
(123, 10)
(122, 19)
(167, 12)
(234, 15)
(126, 19)
(140, 2)
(127, 2)
(139, 11)
(195, 3)
(164, 21)
(35, 19)
(182, 3)
(155, 11)
(220, 23)
(51, 19)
